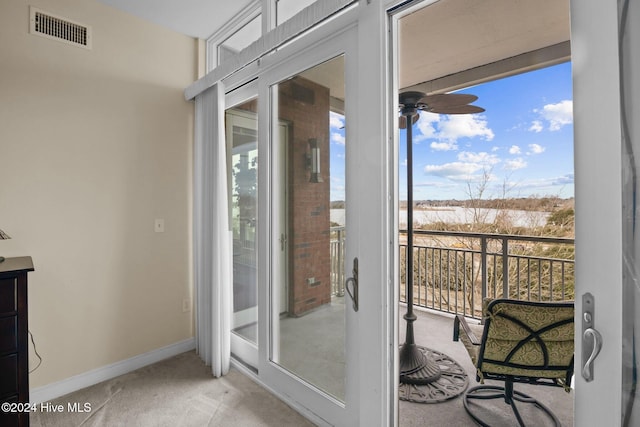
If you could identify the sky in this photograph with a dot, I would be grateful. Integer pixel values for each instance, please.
(522, 145)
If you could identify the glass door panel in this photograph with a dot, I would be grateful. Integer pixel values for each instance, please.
(242, 166)
(307, 300)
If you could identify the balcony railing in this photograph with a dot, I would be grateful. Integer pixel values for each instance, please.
(337, 261)
(455, 271)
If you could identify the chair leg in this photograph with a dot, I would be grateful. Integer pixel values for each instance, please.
(510, 396)
(509, 399)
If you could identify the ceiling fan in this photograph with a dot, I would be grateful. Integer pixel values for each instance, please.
(411, 103)
(415, 367)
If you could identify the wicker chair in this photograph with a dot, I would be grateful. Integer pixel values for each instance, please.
(522, 342)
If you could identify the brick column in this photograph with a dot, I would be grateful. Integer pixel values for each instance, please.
(305, 105)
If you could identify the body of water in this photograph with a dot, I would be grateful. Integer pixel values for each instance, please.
(460, 215)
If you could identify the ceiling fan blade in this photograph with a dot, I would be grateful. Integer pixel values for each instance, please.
(402, 120)
(442, 103)
(456, 109)
(447, 100)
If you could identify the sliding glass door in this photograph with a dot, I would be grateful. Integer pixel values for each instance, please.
(311, 319)
(241, 126)
(305, 323)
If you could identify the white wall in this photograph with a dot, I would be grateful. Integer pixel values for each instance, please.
(94, 145)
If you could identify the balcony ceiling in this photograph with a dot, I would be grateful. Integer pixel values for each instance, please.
(451, 36)
(442, 39)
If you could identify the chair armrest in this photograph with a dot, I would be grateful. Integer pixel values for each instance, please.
(461, 321)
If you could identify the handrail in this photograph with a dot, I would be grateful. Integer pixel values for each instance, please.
(494, 236)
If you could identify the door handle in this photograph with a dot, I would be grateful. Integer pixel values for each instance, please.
(587, 369)
(591, 338)
(351, 284)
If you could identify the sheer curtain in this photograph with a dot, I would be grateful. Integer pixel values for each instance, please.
(211, 233)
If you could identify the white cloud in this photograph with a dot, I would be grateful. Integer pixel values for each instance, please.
(563, 180)
(458, 126)
(555, 116)
(557, 181)
(337, 188)
(536, 149)
(495, 148)
(337, 138)
(448, 129)
(437, 184)
(453, 170)
(515, 164)
(336, 121)
(559, 114)
(427, 126)
(481, 158)
(536, 126)
(444, 146)
(469, 167)
(514, 149)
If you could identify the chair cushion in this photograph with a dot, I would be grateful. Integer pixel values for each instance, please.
(536, 317)
(503, 335)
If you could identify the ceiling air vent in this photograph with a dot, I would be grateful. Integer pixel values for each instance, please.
(54, 27)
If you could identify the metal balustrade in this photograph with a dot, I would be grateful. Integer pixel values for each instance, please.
(455, 271)
(337, 261)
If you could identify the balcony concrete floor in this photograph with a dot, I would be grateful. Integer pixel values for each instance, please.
(311, 347)
(435, 331)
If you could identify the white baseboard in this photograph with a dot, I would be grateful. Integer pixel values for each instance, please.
(86, 379)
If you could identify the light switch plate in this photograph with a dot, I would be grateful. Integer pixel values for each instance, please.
(159, 226)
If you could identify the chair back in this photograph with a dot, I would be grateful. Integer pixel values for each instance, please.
(526, 341)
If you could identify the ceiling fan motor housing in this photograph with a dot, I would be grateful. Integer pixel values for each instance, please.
(410, 102)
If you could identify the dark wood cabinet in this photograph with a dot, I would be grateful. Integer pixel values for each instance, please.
(14, 349)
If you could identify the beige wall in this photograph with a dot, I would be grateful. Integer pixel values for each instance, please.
(94, 145)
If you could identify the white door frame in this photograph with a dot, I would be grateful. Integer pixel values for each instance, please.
(376, 366)
(598, 176)
(328, 409)
(599, 204)
(240, 347)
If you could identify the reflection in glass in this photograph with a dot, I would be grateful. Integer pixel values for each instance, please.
(242, 148)
(308, 334)
(631, 243)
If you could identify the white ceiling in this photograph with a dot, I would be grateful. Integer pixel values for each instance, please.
(195, 18)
